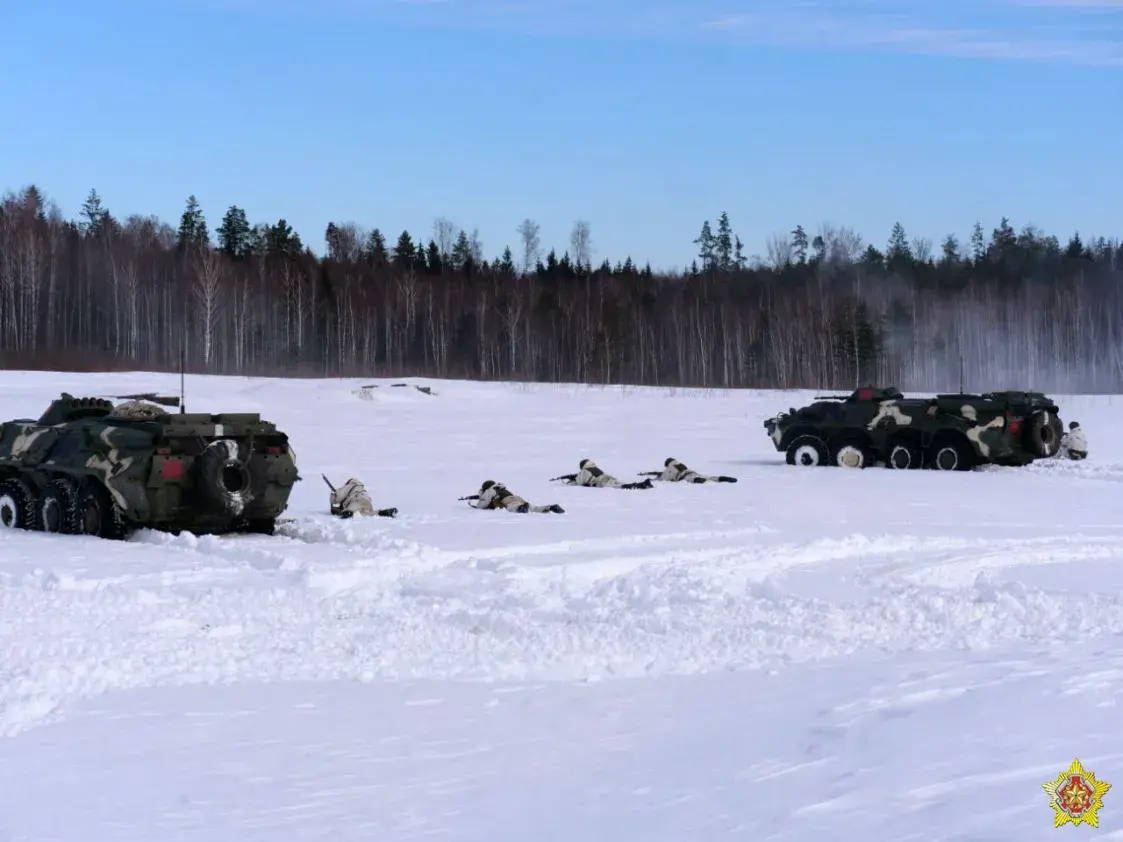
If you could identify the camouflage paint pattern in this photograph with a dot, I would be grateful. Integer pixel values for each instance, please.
(151, 462)
(995, 427)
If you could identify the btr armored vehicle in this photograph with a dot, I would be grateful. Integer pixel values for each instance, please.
(88, 466)
(945, 432)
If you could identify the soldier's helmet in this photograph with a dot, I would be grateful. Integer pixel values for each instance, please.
(586, 463)
(1072, 425)
(667, 464)
(487, 484)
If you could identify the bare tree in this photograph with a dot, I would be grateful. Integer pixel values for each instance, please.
(476, 247)
(780, 251)
(444, 234)
(580, 244)
(529, 230)
(208, 286)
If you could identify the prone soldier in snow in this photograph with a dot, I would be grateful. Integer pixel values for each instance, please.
(1074, 444)
(352, 499)
(676, 471)
(494, 495)
(590, 476)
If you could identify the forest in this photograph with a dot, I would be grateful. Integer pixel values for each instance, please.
(821, 308)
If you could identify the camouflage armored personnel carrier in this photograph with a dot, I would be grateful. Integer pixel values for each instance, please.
(88, 466)
(945, 432)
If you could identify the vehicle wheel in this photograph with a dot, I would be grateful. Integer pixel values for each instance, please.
(951, 456)
(904, 456)
(851, 455)
(58, 508)
(807, 451)
(1043, 434)
(98, 514)
(17, 505)
(223, 478)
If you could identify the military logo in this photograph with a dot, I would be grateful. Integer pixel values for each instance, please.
(1076, 796)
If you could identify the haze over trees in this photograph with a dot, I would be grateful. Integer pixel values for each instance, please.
(822, 308)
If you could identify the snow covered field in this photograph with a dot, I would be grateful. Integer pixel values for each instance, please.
(808, 654)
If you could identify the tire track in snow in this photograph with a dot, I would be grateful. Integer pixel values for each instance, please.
(420, 612)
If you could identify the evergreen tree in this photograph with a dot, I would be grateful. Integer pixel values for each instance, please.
(234, 233)
(949, 251)
(374, 252)
(192, 231)
(723, 244)
(799, 244)
(93, 215)
(404, 252)
(282, 241)
(898, 255)
(507, 262)
(436, 259)
(706, 247)
(978, 243)
(461, 251)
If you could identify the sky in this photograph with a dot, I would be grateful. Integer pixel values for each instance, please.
(642, 118)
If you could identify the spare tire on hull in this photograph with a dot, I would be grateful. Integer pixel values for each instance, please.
(1043, 434)
(223, 479)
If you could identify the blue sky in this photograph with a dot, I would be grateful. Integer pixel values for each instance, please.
(644, 118)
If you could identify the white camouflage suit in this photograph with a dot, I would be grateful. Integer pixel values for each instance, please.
(494, 495)
(1074, 444)
(591, 476)
(351, 497)
(676, 471)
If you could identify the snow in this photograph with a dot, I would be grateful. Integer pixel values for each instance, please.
(806, 653)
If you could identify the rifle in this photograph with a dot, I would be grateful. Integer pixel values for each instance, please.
(470, 497)
(328, 481)
(566, 477)
(648, 473)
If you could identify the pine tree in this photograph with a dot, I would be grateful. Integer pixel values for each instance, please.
(949, 250)
(461, 251)
(436, 259)
(978, 243)
(193, 231)
(375, 252)
(799, 244)
(706, 245)
(404, 252)
(281, 240)
(234, 233)
(723, 243)
(899, 254)
(93, 215)
(507, 262)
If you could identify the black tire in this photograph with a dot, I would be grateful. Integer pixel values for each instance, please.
(223, 481)
(97, 514)
(58, 508)
(952, 455)
(904, 456)
(1043, 434)
(17, 505)
(807, 452)
(851, 454)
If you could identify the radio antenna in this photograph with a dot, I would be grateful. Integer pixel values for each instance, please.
(182, 378)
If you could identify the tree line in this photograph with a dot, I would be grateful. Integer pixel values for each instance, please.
(821, 308)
